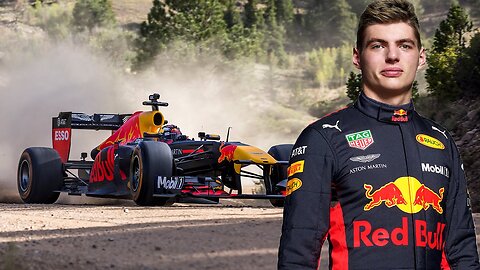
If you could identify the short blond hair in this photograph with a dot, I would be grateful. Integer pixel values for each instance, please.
(386, 12)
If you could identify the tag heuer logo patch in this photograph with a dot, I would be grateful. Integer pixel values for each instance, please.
(360, 140)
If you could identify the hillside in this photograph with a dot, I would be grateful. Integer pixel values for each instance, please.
(463, 120)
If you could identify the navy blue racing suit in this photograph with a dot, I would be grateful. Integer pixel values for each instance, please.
(385, 186)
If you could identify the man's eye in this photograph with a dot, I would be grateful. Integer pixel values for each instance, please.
(406, 46)
(376, 46)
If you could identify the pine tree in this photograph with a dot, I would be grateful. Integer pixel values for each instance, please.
(452, 30)
(274, 33)
(342, 22)
(252, 16)
(468, 69)
(448, 44)
(284, 11)
(88, 14)
(331, 24)
(198, 22)
(354, 86)
(231, 15)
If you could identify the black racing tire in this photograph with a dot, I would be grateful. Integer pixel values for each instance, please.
(39, 175)
(279, 172)
(149, 160)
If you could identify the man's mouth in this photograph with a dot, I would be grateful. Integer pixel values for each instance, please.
(392, 72)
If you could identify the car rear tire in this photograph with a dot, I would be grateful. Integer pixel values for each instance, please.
(39, 175)
(149, 160)
(279, 172)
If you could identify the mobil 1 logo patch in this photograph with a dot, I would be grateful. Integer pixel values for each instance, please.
(170, 183)
(360, 140)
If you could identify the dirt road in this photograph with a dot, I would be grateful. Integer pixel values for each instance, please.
(233, 235)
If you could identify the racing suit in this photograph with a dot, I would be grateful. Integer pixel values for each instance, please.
(385, 186)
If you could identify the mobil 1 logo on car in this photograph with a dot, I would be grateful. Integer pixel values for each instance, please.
(169, 183)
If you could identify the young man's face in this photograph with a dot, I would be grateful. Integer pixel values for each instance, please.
(389, 58)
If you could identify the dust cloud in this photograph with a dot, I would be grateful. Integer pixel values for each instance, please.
(38, 83)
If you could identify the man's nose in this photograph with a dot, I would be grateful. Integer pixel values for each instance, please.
(392, 54)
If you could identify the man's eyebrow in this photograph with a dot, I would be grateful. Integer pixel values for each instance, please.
(372, 40)
(407, 40)
(403, 40)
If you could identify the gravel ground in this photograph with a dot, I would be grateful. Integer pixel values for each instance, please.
(232, 235)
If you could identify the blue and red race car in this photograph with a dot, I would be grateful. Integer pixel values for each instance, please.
(149, 161)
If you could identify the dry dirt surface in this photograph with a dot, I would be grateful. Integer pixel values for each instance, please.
(231, 235)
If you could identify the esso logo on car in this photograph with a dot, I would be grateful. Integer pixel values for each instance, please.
(62, 135)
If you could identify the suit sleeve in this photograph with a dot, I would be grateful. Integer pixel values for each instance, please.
(306, 211)
(460, 242)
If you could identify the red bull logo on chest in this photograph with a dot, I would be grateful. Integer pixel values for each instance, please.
(400, 116)
(365, 235)
(406, 193)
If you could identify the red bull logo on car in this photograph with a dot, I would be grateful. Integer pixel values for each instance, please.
(406, 193)
(226, 152)
(360, 140)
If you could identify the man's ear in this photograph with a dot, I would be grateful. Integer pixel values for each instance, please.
(422, 59)
(356, 58)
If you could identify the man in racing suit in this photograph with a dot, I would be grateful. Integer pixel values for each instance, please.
(384, 185)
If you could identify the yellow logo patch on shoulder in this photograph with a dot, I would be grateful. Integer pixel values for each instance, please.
(430, 141)
(292, 185)
(296, 167)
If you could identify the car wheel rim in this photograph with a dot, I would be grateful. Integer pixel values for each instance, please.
(136, 174)
(24, 175)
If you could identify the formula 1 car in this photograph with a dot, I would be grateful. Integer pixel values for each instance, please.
(148, 161)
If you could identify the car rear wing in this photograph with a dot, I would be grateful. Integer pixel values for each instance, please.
(63, 124)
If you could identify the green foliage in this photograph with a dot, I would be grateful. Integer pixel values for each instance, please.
(284, 12)
(331, 24)
(448, 44)
(199, 22)
(451, 32)
(55, 19)
(252, 16)
(274, 34)
(468, 69)
(415, 92)
(232, 15)
(88, 14)
(440, 74)
(328, 67)
(354, 86)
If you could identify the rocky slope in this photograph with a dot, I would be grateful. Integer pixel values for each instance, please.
(467, 137)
